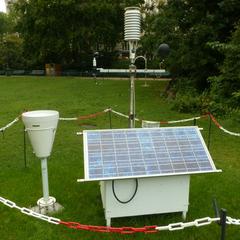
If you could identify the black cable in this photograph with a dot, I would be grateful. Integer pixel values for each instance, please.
(124, 202)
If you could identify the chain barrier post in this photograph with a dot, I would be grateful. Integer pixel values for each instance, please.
(110, 117)
(223, 218)
(209, 132)
(223, 223)
(24, 147)
(194, 122)
(3, 136)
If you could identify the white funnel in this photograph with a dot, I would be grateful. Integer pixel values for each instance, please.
(41, 127)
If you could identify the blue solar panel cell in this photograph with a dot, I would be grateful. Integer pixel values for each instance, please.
(145, 152)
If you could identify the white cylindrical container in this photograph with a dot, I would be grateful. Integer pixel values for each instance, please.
(132, 25)
(41, 128)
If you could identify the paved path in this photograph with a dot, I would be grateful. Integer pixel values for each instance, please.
(127, 79)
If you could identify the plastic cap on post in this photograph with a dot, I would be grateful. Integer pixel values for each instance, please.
(132, 24)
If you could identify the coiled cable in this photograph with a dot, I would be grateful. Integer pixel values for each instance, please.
(125, 202)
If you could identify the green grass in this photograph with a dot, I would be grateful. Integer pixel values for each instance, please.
(82, 202)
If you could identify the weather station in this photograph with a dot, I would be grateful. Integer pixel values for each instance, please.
(132, 33)
(145, 170)
(41, 127)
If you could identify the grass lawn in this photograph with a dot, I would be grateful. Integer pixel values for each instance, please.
(82, 202)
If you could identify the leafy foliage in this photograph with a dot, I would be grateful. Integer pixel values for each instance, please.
(226, 86)
(68, 31)
(4, 23)
(188, 26)
(11, 52)
(198, 33)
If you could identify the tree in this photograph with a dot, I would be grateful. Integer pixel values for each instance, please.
(11, 54)
(187, 26)
(225, 88)
(4, 23)
(68, 31)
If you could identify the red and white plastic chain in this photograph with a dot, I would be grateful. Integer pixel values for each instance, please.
(137, 119)
(9, 124)
(222, 128)
(121, 230)
(85, 116)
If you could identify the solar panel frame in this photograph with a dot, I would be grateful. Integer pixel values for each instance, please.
(125, 176)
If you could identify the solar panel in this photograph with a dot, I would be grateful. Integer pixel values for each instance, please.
(148, 152)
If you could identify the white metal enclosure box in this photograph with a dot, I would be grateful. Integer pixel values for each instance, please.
(155, 195)
(145, 170)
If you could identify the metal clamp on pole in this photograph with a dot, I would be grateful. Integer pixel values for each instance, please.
(131, 116)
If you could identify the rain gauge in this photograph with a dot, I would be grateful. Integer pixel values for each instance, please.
(41, 127)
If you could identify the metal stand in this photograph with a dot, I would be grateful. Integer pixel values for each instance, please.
(145, 78)
(46, 204)
(95, 70)
(184, 215)
(132, 69)
(95, 77)
(45, 179)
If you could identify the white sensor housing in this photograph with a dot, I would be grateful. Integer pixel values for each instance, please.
(41, 128)
(132, 25)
